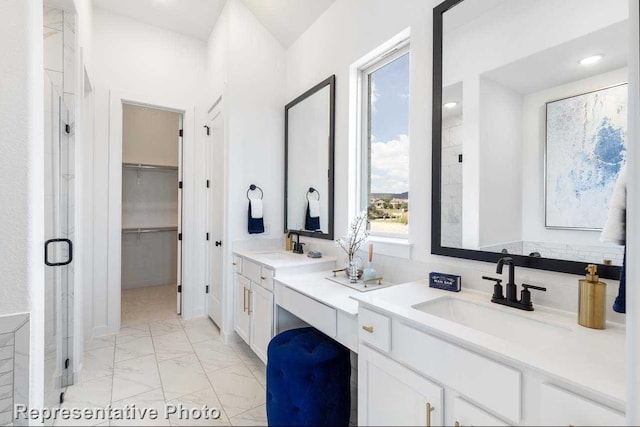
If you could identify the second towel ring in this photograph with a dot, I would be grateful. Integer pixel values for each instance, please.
(254, 187)
(313, 190)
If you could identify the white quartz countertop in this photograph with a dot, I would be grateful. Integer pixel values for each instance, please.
(587, 358)
(318, 287)
(278, 258)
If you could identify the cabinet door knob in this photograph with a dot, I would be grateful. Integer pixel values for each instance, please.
(263, 278)
(368, 328)
(429, 411)
(456, 424)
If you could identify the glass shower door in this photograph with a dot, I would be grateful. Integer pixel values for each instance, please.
(58, 248)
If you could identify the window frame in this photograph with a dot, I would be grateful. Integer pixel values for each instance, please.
(364, 117)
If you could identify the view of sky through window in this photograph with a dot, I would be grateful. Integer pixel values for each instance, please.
(389, 147)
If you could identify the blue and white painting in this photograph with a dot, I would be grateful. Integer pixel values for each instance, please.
(586, 147)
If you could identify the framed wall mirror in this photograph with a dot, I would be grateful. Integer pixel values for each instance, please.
(529, 130)
(309, 162)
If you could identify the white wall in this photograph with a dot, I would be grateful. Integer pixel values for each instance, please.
(499, 164)
(533, 195)
(150, 65)
(246, 66)
(22, 174)
(348, 30)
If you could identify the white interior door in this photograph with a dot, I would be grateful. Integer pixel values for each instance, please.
(59, 233)
(215, 213)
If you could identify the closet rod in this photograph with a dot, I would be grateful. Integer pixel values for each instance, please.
(148, 230)
(145, 166)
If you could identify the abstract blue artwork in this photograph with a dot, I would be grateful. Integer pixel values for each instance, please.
(585, 149)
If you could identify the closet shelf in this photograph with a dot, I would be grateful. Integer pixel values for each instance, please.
(142, 166)
(140, 230)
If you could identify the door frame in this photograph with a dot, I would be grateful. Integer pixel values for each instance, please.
(114, 244)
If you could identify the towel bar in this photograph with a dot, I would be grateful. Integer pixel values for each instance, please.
(311, 191)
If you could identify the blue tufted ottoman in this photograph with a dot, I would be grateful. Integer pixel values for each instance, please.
(308, 380)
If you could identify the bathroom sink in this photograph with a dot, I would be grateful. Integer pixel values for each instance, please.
(496, 321)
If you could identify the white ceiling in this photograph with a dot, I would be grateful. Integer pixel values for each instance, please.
(285, 19)
(195, 18)
(559, 65)
(288, 19)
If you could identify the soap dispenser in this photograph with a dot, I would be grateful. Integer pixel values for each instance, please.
(592, 300)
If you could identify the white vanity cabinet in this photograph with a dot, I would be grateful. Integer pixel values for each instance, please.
(404, 372)
(242, 314)
(255, 273)
(392, 395)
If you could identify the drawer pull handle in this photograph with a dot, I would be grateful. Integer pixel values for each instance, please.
(368, 329)
(429, 411)
(245, 299)
(235, 263)
(263, 278)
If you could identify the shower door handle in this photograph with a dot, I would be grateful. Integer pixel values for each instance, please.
(46, 252)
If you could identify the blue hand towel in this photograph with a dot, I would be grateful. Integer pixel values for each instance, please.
(255, 225)
(620, 304)
(311, 223)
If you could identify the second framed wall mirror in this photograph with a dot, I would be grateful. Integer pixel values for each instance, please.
(309, 162)
(529, 130)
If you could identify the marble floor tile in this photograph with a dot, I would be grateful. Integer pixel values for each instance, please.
(171, 346)
(237, 389)
(130, 333)
(259, 370)
(182, 376)
(201, 329)
(136, 376)
(134, 349)
(98, 363)
(153, 399)
(94, 393)
(253, 417)
(216, 355)
(164, 327)
(198, 400)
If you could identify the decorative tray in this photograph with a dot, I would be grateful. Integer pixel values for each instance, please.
(360, 285)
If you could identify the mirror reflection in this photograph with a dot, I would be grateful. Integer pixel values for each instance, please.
(534, 126)
(309, 189)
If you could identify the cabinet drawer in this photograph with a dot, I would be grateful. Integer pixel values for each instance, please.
(489, 383)
(374, 329)
(561, 407)
(251, 270)
(466, 414)
(318, 315)
(266, 278)
(237, 264)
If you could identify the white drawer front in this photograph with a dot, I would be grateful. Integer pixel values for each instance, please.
(374, 329)
(251, 270)
(560, 407)
(488, 383)
(316, 314)
(237, 264)
(347, 333)
(266, 278)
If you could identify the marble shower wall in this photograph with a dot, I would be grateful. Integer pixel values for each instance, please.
(59, 52)
(14, 364)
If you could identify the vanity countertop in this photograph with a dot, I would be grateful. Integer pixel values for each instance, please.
(279, 258)
(318, 287)
(588, 358)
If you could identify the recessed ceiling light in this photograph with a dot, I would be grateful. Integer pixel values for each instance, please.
(590, 60)
(450, 105)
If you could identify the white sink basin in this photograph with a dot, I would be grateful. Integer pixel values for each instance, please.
(496, 321)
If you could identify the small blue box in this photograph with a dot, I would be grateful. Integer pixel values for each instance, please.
(447, 282)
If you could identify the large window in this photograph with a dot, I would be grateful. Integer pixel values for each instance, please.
(385, 152)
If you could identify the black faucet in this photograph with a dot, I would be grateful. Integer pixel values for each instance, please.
(298, 248)
(511, 300)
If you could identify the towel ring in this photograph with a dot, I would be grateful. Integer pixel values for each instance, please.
(313, 190)
(254, 187)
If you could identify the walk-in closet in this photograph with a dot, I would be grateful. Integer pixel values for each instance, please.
(151, 214)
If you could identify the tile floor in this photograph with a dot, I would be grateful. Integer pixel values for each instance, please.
(159, 359)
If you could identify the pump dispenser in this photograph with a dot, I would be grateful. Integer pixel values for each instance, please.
(592, 300)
